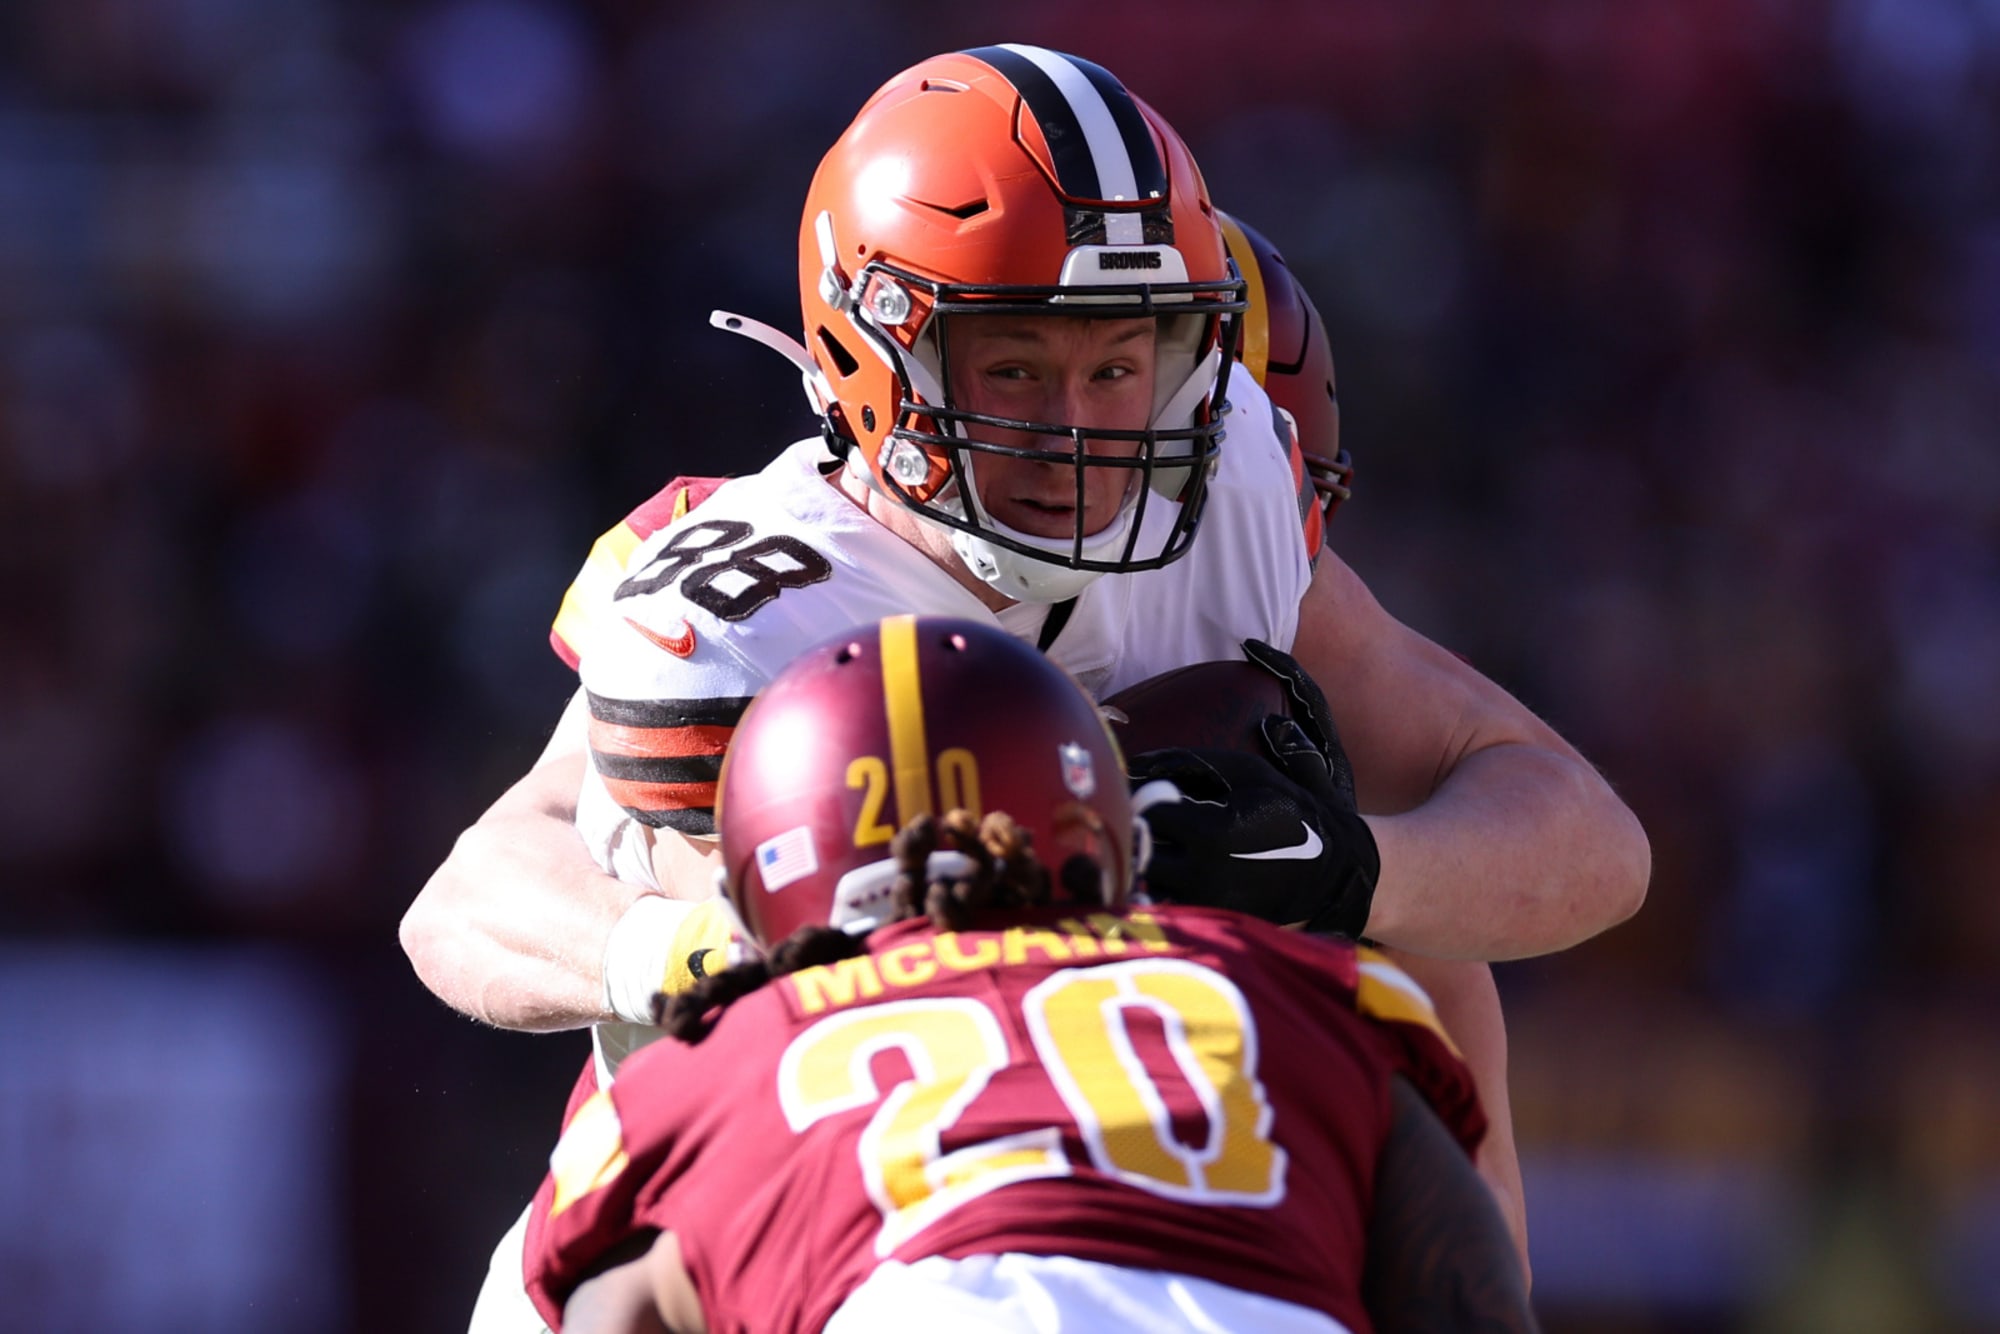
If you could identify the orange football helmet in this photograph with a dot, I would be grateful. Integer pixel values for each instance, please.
(1014, 180)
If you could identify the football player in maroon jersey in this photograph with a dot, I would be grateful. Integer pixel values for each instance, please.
(968, 1079)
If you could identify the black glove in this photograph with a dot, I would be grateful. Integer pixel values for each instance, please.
(1313, 715)
(1278, 841)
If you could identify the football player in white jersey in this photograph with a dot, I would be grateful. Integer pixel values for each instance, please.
(1019, 316)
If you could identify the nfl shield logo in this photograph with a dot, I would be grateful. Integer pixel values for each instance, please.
(1078, 775)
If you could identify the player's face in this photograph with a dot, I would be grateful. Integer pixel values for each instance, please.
(1092, 373)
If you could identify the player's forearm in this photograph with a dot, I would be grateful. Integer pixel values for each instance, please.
(488, 972)
(1523, 850)
(511, 929)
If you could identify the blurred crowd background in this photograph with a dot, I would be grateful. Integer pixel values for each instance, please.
(333, 331)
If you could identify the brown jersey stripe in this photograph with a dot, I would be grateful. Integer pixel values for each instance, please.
(611, 739)
(696, 821)
(670, 769)
(720, 711)
(638, 796)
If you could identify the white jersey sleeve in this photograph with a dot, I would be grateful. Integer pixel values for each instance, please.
(707, 611)
(710, 609)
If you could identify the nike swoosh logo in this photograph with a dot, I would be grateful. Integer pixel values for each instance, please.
(680, 645)
(1298, 852)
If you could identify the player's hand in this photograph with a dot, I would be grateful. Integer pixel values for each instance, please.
(1276, 840)
(1314, 716)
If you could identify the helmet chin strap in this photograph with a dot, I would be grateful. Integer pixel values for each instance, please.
(1178, 413)
(1012, 575)
(862, 899)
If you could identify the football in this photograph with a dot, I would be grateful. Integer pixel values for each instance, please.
(1214, 704)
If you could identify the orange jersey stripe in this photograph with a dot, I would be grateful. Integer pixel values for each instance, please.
(1311, 519)
(614, 739)
(1315, 521)
(641, 796)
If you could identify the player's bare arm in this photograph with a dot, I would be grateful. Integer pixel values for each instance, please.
(673, 1289)
(1439, 1258)
(511, 929)
(629, 1294)
(1497, 839)
(1468, 1006)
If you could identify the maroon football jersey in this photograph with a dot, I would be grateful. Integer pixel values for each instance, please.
(1175, 1089)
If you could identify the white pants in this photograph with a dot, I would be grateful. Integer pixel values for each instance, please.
(503, 1306)
(982, 1294)
(1035, 1294)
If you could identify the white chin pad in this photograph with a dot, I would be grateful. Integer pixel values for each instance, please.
(1100, 545)
(1025, 578)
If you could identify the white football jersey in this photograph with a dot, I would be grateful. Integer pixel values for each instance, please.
(713, 606)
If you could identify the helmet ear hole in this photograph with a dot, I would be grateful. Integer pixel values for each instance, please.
(843, 360)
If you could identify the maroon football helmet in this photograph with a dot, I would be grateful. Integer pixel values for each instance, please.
(1285, 347)
(915, 715)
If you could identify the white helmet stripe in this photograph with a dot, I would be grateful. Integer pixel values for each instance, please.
(1098, 139)
(1115, 176)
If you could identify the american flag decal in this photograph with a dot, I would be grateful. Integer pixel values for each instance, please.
(786, 858)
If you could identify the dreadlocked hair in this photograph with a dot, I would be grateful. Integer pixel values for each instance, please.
(1005, 874)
